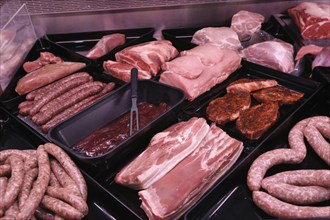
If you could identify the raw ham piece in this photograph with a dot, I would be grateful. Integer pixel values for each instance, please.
(208, 53)
(166, 149)
(178, 190)
(122, 71)
(245, 23)
(209, 77)
(312, 19)
(249, 85)
(274, 54)
(223, 37)
(323, 58)
(105, 45)
(148, 56)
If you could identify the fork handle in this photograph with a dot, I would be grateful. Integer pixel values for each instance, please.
(134, 79)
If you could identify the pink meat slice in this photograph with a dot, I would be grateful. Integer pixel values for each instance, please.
(308, 49)
(210, 76)
(209, 53)
(179, 189)
(223, 37)
(106, 44)
(165, 150)
(323, 58)
(273, 54)
(148, 56)
(245, 23)
(122, 71)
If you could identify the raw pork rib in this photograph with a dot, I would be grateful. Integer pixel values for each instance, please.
(166, 149)
(106, 44)
(274, 54)
(223, 37)
(209, 77)
(312, 19)
(148, 56)
(122, 71)
(179, 189)
(245, 23)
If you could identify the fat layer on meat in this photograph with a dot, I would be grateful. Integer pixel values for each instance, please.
(165, 150)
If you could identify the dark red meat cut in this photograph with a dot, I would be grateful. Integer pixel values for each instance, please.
(228, 107)
(277, 94)
(255, 121)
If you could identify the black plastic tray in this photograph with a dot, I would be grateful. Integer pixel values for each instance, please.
(70, 132)
(10, 98)
(101, 204)
(84, 41)
(224, 200)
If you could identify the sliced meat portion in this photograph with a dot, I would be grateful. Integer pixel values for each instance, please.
(122, 71)
(178, 190)
(165, 150)
(228, 107)
(223, 37)
(46, 75)
(312, 19)
(209, 54)
(255, 121)
(274, 54)
(308, 49)
(323, 58)
(148, 56)
(249, 85)
(245, 23)
(105, 45)
(44, 59)
(277, 94)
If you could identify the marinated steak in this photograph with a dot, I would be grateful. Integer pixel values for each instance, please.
(228, 107)
(255, 121)
(277, 94)
(249, 85)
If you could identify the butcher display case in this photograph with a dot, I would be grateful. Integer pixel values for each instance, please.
(71, 29)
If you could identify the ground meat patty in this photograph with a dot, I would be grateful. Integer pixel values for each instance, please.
(249, 85)
(228, 107)
(255, 121)
(277, 94)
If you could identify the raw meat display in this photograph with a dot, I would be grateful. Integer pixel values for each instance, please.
(228, 107)
(44, 59)
(277, 94)
(223, 37)
(197, 82)
(274, 54)
(249, 85)
(245, 23)
(255, 121)
(308, 49)
(323, 58)
(180, 140)
(312, 19)
(147, 57)
(45, 75)
(105, 45)
(178, 190)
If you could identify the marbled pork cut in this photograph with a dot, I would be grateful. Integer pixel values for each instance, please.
(223, 37)
(178, 190)
(166, 149)
(312, 19)
(273, 54)
(210, 76)
(245, 23)
(122, 71)
(148, 56)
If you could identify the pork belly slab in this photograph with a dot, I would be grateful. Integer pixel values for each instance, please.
(197, 83)
(165, 150)
(179, 189)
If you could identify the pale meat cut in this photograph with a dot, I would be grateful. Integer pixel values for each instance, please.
(208, 53)
(308, 49)
(148, 56)
(209, 77)
(323, 58)
(178, 190)
(245, 23)
(249, 85)
(165, 150)
(106, 44)
(223, 37)
(274, 54)
(312, 19)
(122, 71)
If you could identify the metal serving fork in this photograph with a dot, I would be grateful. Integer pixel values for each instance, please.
(134, 109)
